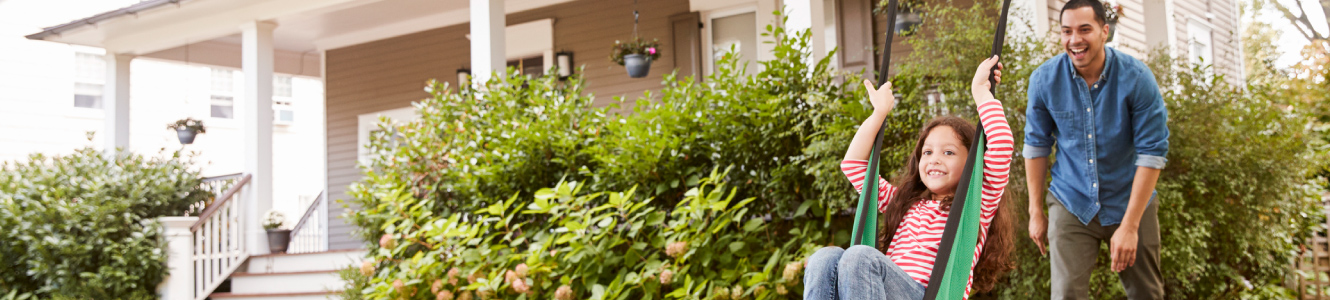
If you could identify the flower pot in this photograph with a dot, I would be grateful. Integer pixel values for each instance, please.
(638, 65)
(278, 239)
(186, 136)
(907, 22)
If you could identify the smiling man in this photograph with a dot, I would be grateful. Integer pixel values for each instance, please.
(1103, 112)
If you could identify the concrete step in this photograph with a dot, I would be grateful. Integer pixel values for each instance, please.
(276, 296)
(318, 261)
(286, 282)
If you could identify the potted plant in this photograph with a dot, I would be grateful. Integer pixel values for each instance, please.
(278, 239)
(1112, 12)
(635, 55)
(186, 129)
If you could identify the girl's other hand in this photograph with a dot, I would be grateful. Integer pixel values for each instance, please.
(981, 87)
(882, 98)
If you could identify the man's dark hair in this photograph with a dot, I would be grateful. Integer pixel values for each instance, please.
(1099, 14)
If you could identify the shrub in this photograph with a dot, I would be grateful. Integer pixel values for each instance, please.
(476, 158)
(601, 245)
(82, 225)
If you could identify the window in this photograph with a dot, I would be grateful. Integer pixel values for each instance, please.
(1199, 45)
(283, 111)
(89, 80)
(223, 94)
(369, 124)
(737, 33)
(534, 65)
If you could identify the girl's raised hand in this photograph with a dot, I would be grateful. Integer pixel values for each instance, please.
(883, 100)
(981, 87)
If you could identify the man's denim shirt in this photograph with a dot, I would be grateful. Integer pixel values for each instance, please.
(1102, 132)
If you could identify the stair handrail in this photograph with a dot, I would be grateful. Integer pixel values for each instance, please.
(313, 206)
(219, 201)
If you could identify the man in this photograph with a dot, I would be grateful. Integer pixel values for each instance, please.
(1103, 111)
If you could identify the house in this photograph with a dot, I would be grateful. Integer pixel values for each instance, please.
(52, 96)
(374, 56)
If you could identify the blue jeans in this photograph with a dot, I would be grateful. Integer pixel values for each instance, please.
(859, 273)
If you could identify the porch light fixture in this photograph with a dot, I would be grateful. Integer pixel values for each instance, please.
(463, 78)
(564, 60)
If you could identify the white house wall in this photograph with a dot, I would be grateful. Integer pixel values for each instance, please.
(37, 113)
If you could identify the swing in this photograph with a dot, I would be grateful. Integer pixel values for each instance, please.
(951, 268)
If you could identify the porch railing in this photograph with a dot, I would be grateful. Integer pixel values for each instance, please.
(218, 186)
(309, 234)
(219, 240)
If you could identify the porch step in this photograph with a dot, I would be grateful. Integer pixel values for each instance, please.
(286, 282)
(303, 262)
(291, 276)
(276, 296)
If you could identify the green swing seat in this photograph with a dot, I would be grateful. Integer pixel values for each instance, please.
(951, 270)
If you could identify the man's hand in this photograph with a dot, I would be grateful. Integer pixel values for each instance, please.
(1039, 230)
(1122, 248)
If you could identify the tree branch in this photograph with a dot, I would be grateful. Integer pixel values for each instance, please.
(1296, 21)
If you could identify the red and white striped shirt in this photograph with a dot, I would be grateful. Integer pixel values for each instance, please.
(916, 242)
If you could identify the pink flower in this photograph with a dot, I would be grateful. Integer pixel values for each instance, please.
(651, 50)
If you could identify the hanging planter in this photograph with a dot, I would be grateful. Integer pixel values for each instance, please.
(636, 56)
(907, 23)
(186, 129)
(1111, 16)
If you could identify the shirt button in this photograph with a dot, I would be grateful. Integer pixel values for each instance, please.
(1096, 185)
(1090, 135)
(1092, 161)
(1087, 110)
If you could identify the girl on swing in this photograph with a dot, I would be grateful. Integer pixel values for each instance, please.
(915, 207)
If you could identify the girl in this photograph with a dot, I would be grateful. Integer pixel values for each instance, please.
(916, 207)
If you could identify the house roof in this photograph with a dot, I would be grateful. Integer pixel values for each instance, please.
(93, 20)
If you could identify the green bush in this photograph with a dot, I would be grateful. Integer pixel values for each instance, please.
(82, 225)
(477, 157)
(602, 245)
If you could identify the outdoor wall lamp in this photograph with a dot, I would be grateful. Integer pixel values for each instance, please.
(463, 78)
(564, 60)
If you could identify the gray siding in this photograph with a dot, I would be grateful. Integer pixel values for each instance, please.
(391, 73)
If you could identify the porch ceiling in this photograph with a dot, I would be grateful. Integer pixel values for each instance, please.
(303, 25)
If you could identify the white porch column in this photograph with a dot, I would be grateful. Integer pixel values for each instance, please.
(256, 61)
(179, 284)
(809, 15)
(115, 102)
(487, 48)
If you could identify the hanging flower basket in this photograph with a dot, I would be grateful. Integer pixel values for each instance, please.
(1113, 13)
(636, 56)
(186, 129)
(907, 23)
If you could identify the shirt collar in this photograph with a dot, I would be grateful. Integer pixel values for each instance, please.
(1109, 55)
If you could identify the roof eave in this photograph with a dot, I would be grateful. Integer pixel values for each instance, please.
(93, 20)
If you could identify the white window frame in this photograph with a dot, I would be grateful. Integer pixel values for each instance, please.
(98, 79)
(1200, 32)
(530, 39)
(370, 122)
(212, 91)
(283, 103)
(708, 58)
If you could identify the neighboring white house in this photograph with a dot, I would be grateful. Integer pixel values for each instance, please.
(51, 96)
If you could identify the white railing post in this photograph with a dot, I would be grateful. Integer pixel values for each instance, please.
(179, 283)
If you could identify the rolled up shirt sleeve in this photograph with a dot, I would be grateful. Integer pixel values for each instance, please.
(1039, 126)
(1150, 123)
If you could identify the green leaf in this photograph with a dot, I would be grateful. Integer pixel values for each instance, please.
(752, 225)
